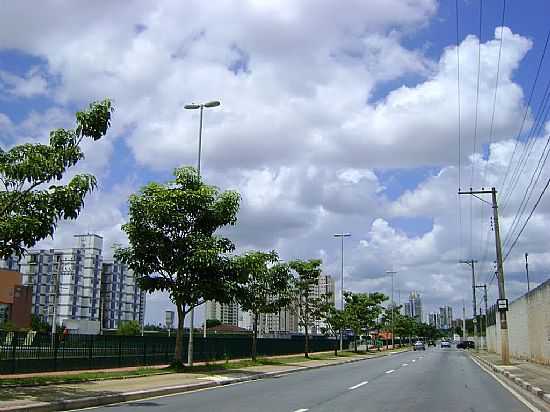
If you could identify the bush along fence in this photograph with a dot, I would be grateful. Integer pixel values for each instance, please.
(26, 352)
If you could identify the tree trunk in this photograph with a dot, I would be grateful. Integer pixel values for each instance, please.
(355, 343)
(190, 341)
(178, 359)
(306, 352)
(336, 346)
(255, 337)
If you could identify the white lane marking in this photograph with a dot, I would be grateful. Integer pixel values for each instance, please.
(405, 364)
(301, 410)
(422, 357)
(390, 371)
(414, 360)
(512, 391)
(358, 385)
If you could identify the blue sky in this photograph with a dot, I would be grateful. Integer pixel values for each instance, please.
(326, 123)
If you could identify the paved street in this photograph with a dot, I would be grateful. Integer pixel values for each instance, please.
(434, 380)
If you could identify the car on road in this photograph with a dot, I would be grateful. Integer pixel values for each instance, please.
(445, 344)
(419, 345)
(431, 343)
(466, 344)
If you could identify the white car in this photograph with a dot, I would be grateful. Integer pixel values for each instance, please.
(445, 344)
(419, 345)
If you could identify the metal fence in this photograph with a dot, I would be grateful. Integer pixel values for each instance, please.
(23, 352)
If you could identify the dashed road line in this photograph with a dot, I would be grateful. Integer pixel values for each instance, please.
(391, 371)
(414, 360)
(358, 385)
(301, 410)
(405, 364)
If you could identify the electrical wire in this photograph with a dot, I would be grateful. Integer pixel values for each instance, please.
(525, 113)
(530, 215)
(492, 126)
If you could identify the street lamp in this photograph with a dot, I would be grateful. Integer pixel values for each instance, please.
(392, 273)
(195, 106)
(342, 236)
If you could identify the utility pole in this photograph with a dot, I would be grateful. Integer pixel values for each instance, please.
(502, 302)
(392, 273)
(342, 236)
(463, 321)
(472, 263)
(484, 287)
(527, 272)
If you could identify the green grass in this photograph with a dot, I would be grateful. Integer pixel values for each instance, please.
(148, 371)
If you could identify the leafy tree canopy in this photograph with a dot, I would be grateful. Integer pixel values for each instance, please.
(32, 198)
(174, 246)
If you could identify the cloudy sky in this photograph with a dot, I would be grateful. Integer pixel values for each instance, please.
(335, 116)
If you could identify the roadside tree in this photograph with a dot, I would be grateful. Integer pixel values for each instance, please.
(173, 246)
(32, 198)
(362, 311)
(266, 287)
(308, 305)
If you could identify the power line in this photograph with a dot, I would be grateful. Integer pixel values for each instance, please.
(491, 129)
(540, 118)
(527, 220)
(528, 192)
(459, 131)
(526, 111)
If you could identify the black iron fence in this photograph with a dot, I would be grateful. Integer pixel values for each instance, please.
(23, 352)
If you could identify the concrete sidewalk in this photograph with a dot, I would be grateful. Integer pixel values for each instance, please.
(533, 377)
(73, 396)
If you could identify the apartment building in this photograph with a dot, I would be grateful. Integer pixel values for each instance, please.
(75, 284)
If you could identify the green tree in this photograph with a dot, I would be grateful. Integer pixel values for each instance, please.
(39, 324)
(308, 306)
(210, 323)
(173, 246)
(362, 310)
(335, 323)
(266, 286)
(32, 199)
(129, 328)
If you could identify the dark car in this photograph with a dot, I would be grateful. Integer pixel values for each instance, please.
(467, 344)
(431, 343)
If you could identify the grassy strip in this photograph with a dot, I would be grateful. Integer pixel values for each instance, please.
(148, 371)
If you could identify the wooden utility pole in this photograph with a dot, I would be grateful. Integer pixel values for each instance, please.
(502, 302)
(472, 263)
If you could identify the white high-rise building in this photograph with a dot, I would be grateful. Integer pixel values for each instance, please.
(434, 320)
(414, 306)
(446, 315)
(76, 273)
(122, 299)
(226, 313)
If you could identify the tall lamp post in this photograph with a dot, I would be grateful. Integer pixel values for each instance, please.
(392, 273)
(342, 236)
(195, 106)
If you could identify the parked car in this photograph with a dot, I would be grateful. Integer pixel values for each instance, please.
(445, 344)
(466, 344)
(431, 343)
(419, 345)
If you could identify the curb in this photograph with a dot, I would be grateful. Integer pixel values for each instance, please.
(88, 402)
(538, 392)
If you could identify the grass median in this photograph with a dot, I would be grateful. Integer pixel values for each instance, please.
(206, 368)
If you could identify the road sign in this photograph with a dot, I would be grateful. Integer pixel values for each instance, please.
(502, 305)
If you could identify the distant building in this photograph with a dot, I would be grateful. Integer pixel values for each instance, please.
(413, 308)
(446, 316)
(79, 286)
(226, 313)
(434, 320)
(121, 298)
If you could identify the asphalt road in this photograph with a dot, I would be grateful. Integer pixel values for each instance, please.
(435, 380)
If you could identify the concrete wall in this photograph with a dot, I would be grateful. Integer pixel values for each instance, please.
(528, 327)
